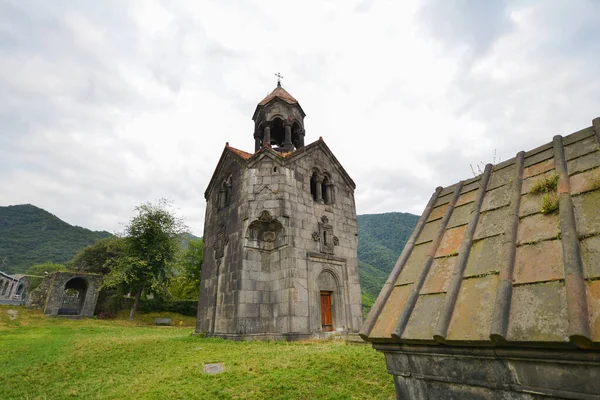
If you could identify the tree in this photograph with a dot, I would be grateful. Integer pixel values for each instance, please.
(151, 245)
(96, 258)
(186, 283)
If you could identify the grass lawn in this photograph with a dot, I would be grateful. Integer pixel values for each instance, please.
(51, 358)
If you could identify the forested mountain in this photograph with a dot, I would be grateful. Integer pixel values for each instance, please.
(381, 238)
(30, 235)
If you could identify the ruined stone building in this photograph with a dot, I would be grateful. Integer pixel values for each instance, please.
(496, 295)
(12, 288)
(280, 235)
(67, 294)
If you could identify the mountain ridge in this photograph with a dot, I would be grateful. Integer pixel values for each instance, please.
(31, 235)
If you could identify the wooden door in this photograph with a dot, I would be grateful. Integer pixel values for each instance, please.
(326, 319)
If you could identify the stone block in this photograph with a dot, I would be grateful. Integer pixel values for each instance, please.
(414, 264)
(424, 317)
(539, 262)
(388, 317)
(461, 216)
(538, 168)
(429, 232)
(589, 161)
(538, 227)
(581, 147)
(451, 241)
(472, 315)
(496, 198)
(585, 181)
(530, 204)
(491, 223)
(538, 313)
(590, 252)
(439, 275)
(586, 213)
(486, 256)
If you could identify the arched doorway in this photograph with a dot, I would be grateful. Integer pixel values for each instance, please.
(73, 297)
(329, 300)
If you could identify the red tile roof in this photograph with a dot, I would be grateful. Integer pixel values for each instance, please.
(241, 153)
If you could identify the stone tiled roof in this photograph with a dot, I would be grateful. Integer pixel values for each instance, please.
(280, 93)
(489, 263)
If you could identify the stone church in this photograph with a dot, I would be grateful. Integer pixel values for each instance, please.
(280, 235)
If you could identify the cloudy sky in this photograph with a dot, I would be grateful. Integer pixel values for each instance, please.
(108, 104)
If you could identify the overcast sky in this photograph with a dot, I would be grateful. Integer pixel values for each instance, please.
(108, 104)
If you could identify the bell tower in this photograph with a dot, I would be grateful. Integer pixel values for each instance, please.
(280, 235)
(279, 122)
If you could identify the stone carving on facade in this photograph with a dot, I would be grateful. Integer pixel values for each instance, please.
(316, 236)
(336, 241)
(222, 240)
(326, 237)
(265, 233)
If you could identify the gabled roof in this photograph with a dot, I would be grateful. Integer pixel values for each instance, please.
(491, 263)
(283, 158)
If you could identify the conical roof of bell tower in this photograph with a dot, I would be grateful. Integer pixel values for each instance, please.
(281, 93)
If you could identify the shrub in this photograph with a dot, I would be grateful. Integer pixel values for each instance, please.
(549, 203)
(545, 184)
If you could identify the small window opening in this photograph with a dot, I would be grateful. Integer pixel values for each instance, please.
(313, 186)
(274, 169)
(325, 238)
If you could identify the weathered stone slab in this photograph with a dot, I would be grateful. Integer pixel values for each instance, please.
(451, 241)
(531, 203)
(586, 181)
(424, 317)
(539, 168)
(472, 316)
(496, 198)
(491, 223)
(586, 213)
(501, 177)
(162, 321)
(538, 313)
(414, 265)
(430, 231)
(486, 256)
(589, 161)
(593, 289)
(590, 252)
(538, 227)
(212, 369)
(461, 215)
(466, 198)
(391, 311)
(539, 262)
(439, 275)
(437, 213)
(581, 147)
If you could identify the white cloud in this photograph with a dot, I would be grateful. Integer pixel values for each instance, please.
(108, 104)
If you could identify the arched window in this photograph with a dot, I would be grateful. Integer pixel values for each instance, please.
(313, 185)
(224, 198)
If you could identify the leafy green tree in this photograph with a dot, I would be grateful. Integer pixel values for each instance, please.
(37, 272)
(186, 282)
(151, 246)
(95, 258)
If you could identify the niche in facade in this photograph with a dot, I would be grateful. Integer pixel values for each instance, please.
(265, 233)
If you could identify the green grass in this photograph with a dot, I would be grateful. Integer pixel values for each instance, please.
(42, 357)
